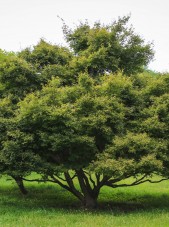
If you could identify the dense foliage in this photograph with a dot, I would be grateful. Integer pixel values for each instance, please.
(108, 48)
(72, 116)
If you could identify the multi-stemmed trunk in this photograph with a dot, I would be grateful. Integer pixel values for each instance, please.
(89, 187)
(90, 184)
(90, 194)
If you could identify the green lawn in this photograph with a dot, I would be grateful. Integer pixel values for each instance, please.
(48, 205)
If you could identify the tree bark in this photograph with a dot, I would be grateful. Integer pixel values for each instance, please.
(90, 202)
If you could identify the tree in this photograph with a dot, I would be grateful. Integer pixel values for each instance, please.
(94, 134)
(71, 116)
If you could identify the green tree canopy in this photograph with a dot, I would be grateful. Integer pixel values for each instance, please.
(44, 54)
(108, 48)
(96, 132)
(49, 61)
(70, 115)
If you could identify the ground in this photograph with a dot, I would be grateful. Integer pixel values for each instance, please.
(48, 205)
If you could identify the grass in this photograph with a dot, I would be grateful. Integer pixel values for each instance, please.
(48, 205)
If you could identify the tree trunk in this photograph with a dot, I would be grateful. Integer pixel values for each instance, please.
(90, 194)
(90, 202)
(21, 186)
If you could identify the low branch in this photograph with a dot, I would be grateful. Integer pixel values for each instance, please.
(70, 182)
(101, 183)
(75, 175)
(60, 178)
(36, 180)
(48, 180)
(53, 179)
(112, 181)
(136, 183)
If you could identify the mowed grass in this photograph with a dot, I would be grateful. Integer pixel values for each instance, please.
(49, 205)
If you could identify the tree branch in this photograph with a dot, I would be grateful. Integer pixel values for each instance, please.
(86, 180)
(36, 180)
(69, 180)
(97, 175)
(90, 178)
(85, 189)
(48, 180)
(136, 182)
(92, 181)
(60, 178)
(112, 181)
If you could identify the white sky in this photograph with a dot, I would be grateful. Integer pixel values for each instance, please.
(24, 22)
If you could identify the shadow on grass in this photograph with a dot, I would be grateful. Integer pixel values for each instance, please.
(49, 197)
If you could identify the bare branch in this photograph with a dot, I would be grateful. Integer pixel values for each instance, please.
(60, 178)
(84, 182)
(55, 180)
(112, 181)
(93, 182)
(90, 178)
(136, 183)
(75, 175)
(69, 180)
(36, 180)
(97, 175)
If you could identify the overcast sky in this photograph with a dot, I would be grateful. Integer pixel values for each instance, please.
(24, 22)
